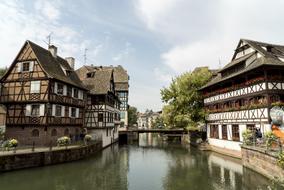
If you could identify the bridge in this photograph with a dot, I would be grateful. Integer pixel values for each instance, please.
(133, 134)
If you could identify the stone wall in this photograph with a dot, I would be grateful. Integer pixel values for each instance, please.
(35, 159)
(262, 162)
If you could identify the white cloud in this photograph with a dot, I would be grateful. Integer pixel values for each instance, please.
(200, 33)
(49, 9)
(18, 25)
(162, 75)
(124, 53)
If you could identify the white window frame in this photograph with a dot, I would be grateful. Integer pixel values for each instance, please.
(35, 86)
(20, 66)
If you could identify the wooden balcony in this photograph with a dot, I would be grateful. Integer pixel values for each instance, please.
(60, 99)
(44, 120)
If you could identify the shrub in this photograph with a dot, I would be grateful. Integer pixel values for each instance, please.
(280, 160)
(248, 137)
(13, 143)
(63, 141)
(269, 139)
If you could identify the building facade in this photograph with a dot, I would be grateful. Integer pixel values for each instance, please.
(102, 114)
(146, 120)
(43, 97)
(121, 87)
(241, 95)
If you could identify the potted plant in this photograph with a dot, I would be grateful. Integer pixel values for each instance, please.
(87, 139)
(63, 141)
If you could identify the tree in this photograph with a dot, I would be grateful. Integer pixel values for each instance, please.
(132, 115)
(2, 71)
(184, 103)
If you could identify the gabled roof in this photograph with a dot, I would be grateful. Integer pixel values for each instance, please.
(100, 83)
(271, 54)
(52, 66)
(120, 75)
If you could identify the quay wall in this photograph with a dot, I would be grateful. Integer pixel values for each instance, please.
(35, 159)
(262, 162)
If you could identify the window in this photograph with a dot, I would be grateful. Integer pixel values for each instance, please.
(251, 127)
(35, 86)
(73, 112)
(59, 88)
(54, 132)
(214, 131)
(75, 93)
(58, 110)
(107, 132)
(69, 91)
(122, 115)
(224, 132)
(66, 132)
(235, 133)
(35, 133)
(100, 117)
(26, 66)
(35, 110)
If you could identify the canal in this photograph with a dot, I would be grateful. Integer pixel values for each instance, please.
(151, 165)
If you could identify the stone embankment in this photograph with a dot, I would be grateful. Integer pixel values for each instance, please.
(21, 160)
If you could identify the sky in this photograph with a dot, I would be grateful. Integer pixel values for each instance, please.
(154, 40)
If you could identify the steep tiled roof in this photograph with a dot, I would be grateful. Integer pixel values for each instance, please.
(100, 82)
(271, 57)
(53, 65)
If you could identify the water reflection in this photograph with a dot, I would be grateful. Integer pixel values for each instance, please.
(153, 165)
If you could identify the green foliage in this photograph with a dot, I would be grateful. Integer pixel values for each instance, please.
(269, 139)
(280, 160)
(158, 123)
(87, 139)
(2, 134)
(184, 103)
(2, 71)
(132, 115)
(248, 137)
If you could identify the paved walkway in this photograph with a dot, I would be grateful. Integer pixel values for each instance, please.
(23, 150)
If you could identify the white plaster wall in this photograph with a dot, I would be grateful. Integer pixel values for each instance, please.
(101, 134)
(242, 128)
(233, 145)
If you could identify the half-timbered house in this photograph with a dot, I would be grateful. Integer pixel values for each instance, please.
(102, 110)
(121, 86)
(241, 95)
(43, 96)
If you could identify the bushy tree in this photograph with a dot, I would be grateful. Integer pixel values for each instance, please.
(184, 103)
(2, 71)
(132, 115)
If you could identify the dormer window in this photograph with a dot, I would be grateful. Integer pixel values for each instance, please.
(25, 66)
(75, 93)
(90, 75)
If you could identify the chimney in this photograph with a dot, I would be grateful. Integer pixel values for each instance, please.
(53, 50)
(71, 62)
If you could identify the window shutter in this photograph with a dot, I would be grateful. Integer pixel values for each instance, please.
(55, 87)
(19, 67)
(41, 110)
(62, 111)
(64, 90)
(70, 109)
(80, 94)
(77, 112)
(72, 92)
(31, 66)
(28, 109)
(53, 109)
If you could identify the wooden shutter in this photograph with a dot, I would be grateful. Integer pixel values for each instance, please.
(31, 66)
(55, 87)
(64, 90)
(62, 111)
(53, 109)
(20, 67)
(70, 109)
(41, 110)
(77, 112)
(28, 109)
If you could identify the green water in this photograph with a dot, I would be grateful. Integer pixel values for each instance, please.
(153, 165)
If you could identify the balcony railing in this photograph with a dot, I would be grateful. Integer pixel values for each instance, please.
(66, 100)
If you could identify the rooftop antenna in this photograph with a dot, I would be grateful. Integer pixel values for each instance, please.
(85, 56)
(48, 39)
(220, 64)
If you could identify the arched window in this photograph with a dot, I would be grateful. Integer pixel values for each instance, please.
(66, 132)
(35, 133)
(53, 133)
